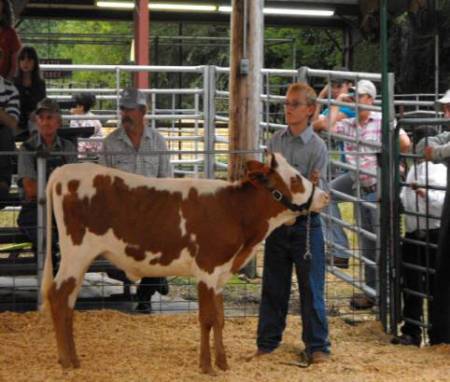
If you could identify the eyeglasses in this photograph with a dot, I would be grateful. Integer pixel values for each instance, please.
(294, 105)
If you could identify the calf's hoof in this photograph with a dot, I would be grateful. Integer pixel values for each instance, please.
(222, 364)
(69, 363)
(76, 363)
(208, 370)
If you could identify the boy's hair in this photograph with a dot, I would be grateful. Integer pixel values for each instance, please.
(304, 88)
(87, 100)
(340, 81)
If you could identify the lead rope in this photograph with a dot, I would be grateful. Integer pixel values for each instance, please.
(307, 255)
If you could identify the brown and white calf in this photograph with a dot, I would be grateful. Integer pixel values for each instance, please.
(165, 227)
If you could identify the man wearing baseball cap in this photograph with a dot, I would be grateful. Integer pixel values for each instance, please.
(48, 119)
(366, 126)
(135, 141)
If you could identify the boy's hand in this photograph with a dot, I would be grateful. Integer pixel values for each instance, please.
(314, 177)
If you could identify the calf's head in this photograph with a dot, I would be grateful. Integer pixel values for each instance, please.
(287, 185)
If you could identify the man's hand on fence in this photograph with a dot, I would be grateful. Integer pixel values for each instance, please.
(428, 153)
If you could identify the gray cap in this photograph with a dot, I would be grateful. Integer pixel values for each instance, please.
(132, 98)
(49, 105)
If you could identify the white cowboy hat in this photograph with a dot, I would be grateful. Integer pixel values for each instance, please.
(445, 99)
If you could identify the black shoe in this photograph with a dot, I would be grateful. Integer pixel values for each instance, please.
(339, 262)
(163, 287)
(144, 307)
(360, 301)
(407, 340)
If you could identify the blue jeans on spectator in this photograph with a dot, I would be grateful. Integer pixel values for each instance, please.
(334, 231)
(369, 222)
(285, 248)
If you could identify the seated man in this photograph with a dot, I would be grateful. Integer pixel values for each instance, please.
(135, 140)
(48, 118)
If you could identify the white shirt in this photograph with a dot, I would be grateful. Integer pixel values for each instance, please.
(94, 143)
(412, 202)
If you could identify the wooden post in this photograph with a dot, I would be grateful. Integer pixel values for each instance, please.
(141, 41)
(246, 60)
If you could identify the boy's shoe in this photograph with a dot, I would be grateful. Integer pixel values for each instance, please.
(320, 357)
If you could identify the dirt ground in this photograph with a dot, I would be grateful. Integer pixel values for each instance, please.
(114, 346)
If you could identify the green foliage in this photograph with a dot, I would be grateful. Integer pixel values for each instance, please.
(201, 44)
(313, 47)
(82, 52)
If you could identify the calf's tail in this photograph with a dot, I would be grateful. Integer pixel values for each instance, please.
(47, 276)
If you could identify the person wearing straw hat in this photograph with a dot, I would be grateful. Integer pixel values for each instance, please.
(129, 148)
(443, 104)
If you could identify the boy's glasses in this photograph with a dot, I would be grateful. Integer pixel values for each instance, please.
(294, 105)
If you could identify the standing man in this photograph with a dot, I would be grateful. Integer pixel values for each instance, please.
(9, 117)
(437, 149)
(288, 246)
(48, 119)
(134, 140)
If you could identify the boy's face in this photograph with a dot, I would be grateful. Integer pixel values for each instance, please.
(339, 88)
(296, 108)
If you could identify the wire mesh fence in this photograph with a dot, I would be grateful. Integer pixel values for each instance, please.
(194, 123)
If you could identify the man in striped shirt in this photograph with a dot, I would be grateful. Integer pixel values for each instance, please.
(129, 148)
(9, 117)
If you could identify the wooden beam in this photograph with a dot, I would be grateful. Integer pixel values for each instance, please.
(246, 60)
(141, 41)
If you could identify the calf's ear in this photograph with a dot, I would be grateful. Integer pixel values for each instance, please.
(272, 161)
(254, 165)
(257, 172)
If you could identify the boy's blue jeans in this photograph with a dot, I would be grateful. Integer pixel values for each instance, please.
(285, 248)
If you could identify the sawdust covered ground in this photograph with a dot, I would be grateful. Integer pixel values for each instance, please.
(118, 347)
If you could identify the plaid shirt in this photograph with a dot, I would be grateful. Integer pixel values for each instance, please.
(125, 157)
(369, 131)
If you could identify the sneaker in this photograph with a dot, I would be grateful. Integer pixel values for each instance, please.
(360, 301)
(319, 357)
(406, 339)
(338, 262)
(144, 308)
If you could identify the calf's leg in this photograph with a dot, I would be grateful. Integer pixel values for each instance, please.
(62, 297)
(62, 316)
(211, 316)
(219, 323)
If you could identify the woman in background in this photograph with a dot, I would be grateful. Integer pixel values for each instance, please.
(31, 87)
(9, 41)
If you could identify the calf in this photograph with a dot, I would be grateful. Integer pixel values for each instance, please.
(161, 227)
